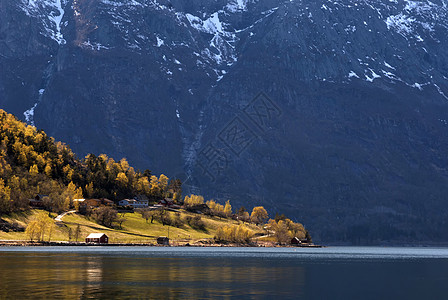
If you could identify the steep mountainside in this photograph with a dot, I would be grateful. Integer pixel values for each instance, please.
(349, 132)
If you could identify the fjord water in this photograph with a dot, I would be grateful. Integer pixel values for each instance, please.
(202, 273)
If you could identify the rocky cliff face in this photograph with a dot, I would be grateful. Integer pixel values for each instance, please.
(334, 112)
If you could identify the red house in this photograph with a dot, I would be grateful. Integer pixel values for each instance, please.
(97, 238)
(167, 202)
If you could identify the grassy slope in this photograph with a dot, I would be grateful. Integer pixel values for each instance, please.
(135, 229)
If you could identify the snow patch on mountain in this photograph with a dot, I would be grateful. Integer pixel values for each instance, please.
(237, 5)
(221, 48)
(50, 12)
(122, 3)
(29, 114)
(418, 16)
(401, 23)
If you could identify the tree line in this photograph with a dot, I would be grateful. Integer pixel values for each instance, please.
(281, 228)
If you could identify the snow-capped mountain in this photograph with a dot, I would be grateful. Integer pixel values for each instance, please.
(357, 95)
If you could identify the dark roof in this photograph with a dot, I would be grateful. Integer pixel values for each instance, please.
(141, 198)
(295, 240)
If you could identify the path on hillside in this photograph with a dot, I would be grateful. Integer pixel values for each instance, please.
(59, 218)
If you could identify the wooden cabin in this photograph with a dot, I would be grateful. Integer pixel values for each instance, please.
(97, 238)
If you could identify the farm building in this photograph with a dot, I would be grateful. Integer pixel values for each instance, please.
(99, 238)
(296, 241)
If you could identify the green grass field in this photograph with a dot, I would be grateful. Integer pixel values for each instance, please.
(135, 229)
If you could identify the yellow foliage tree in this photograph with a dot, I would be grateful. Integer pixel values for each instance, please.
(279, 230)
(234, 233)
(143, 186)
(5, 197)
(48, 170)
(124, 164)
(154, 184)
(78, 193)
(122, 179)
(193, 200)
(163, 182)
(228, 209)
(36, 229)
(259, 215)
(89, 190)
(34, 170)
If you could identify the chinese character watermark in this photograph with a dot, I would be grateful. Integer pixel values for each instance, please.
(238, 135)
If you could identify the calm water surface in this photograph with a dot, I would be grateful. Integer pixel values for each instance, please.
(204, 273)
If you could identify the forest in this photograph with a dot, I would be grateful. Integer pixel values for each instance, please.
(33, 163)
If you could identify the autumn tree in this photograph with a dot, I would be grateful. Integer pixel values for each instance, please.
(228, 209)
(162, 217)
(158, 186)
(143, 186)
(70, 234)
(122, 179)
(193, 200)
(216, 208)
(243, 215)
(37, 228)
(77, 232)
(175, 188)
(147, 214)
(234, 233)
(5, 198)
(34, 170)
(89, 190)
(259, 215)
(163, 183)
(195, 222)
(283, 230)
(279, 230)
(105, 215)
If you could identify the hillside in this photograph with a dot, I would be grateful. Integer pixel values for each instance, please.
(135, 229)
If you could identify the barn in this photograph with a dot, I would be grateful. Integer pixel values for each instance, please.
(99, 238)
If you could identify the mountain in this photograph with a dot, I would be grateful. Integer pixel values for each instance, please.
(334, 110)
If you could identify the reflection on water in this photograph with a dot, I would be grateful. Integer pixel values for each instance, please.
(73, 276)
(173, 273)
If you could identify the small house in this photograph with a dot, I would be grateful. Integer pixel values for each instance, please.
(134, 203)
(166, 202)
(141, 204)
(97, 238)
(127, 202)
(296, 241)
(88, 203)
(36, 203)
(40, 197)
(107, 202)
(199, 209)
(163, 240)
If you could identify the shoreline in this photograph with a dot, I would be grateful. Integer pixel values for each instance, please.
(173, 244)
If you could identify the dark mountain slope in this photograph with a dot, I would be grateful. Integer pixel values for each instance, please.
(352, 137)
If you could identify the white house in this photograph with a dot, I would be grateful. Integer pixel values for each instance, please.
(134, 203)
